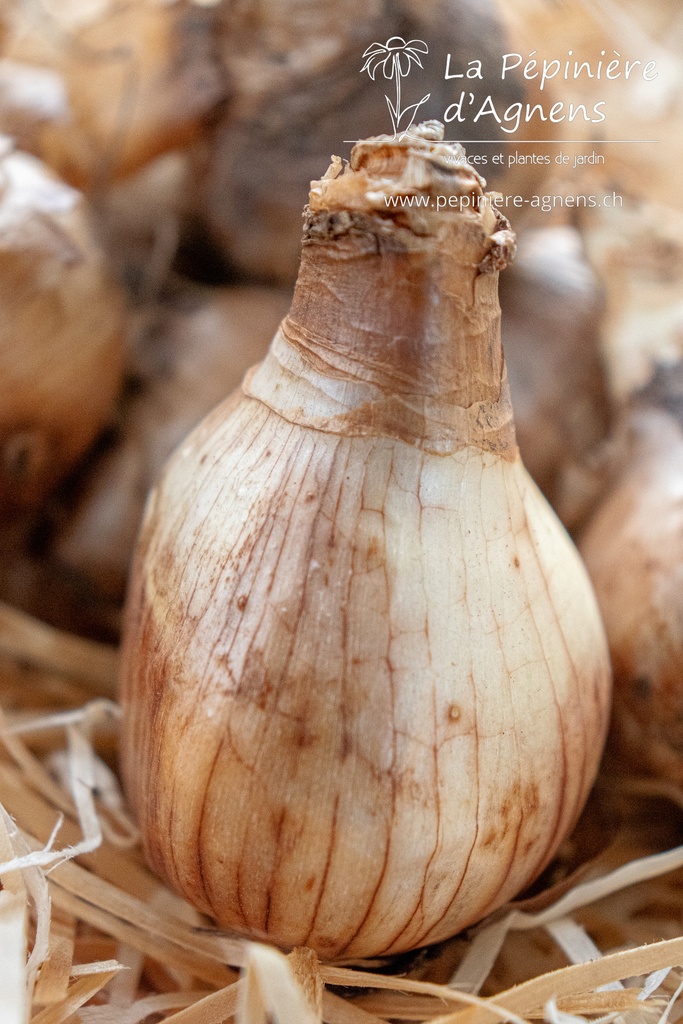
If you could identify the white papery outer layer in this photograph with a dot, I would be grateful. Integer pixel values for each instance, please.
(368, 686)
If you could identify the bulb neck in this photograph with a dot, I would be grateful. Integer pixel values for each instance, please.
(394, 327)
(420, 320)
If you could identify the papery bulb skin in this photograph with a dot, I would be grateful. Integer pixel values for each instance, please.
(129, 82)
(633, 548)
(551, 312)
(62, 330)
(364, 679)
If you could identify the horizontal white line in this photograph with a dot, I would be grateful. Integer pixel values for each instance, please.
(526, 142)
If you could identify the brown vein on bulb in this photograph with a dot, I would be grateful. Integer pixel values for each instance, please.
(264, 539)
(162, 714)
(181, 522)
(419, 905)
(434, 749)
(577, 696)
(276, 864)
(293, 638)
(519, 759)
(586, 722)
(392, 766)
(293, 633)
(353, 574)
(540, 861)
(201, 675)
(307, 558)
(191, 712)
(144, 726)
(475, 729)
(561, 803)
(277, 500)
(387, 848)
(241, 551)
(200, 845)
(347, 451)
(200, 477)
(247, 410)
(521, 779)
(326, 870)
(291, 461)
(226, 740)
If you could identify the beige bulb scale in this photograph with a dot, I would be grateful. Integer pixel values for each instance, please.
(61, 332)
(365, 683)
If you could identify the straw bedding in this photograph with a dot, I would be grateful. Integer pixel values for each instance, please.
(88, 934)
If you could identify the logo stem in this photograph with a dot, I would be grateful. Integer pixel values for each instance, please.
(398, 96)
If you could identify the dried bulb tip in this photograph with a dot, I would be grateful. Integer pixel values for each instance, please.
(414, 163)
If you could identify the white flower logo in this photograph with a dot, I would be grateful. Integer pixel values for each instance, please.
(395, 57)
